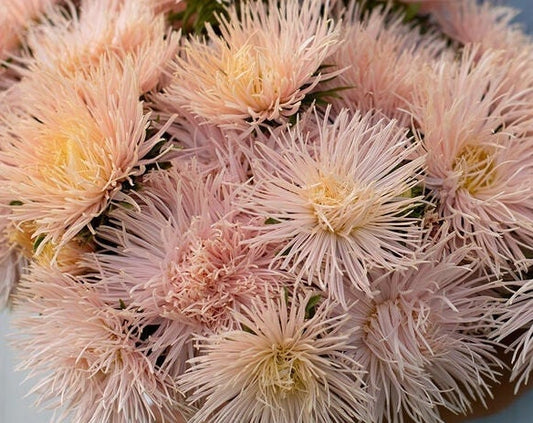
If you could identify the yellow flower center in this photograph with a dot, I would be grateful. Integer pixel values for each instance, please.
(340, 205)
(475, 165)
(73, 154)
(283, 371)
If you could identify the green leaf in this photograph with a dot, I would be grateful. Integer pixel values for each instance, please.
(272, 221)
(312, 304)
(16, 203)
(38, 242)
(122, 304)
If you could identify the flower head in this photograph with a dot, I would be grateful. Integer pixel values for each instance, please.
(479, 159)
(70, 45)
(91, 360)
(482, 23)
(281, 367)
(384, 60)
(516, 319)
(334, 192)
(422, 340)
(183, 255)
(259, 69)
(68, 148)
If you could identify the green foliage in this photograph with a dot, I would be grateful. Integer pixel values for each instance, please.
(197, 14)
(312, 305)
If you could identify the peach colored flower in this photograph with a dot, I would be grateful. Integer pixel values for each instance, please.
(280, 367)
(479, 159)
(16, 16)
(334, 190)
(91, 361)
(423, 339)
(384, 60)
(69, 146)
(75, 44)
(265, 61)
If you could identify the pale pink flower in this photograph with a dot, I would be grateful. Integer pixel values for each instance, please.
(482, 23)
(384, 60)
(282, 366)
(334, 191)
(74, 44)
(15, 17)
(91, 360)
(479, 158)
(182, 255)
(423, 339)
(266, 60)
(218, 151)
(517, 319)
(69, 146)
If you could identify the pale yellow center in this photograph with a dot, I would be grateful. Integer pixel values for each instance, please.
(475, 165)
(340, 205)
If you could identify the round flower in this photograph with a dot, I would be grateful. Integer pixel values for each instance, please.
(282, 366)
(73, 43)
(382, 60)
(90, 359)
(479, 159)
(69, 146)
(423, 339)
(334, 192)
(517, 319)
(182, 254)
(260, 67)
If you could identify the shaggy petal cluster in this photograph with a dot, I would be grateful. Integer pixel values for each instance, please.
(89, 359)
(334, 191)
(517, 318)
(479, 160)
(422, 340)
(15, 17)
(182, 255)
(384, 60)
(280, 367)
(69, 146)
(483, 23)
(69, 45)
(259, 69)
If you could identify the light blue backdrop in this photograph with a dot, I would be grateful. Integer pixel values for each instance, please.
(14, 408)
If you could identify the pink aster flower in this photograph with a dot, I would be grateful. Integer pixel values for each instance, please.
(69, 146)
(334, 191)
(423, 339)
(282, 366)
(482, 23)
(183, 255)
(266, 60)
(15, 17)
(479, 159)
(74, 44)
(91, 360)
(517, 320)
(384, 60)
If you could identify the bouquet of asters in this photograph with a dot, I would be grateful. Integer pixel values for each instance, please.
(266, 211)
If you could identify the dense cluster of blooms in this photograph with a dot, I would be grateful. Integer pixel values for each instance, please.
(295, 211)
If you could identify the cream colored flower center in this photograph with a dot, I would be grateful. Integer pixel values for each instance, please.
(340, 205)
(72, 154)
(475, 165)
(283, 371)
